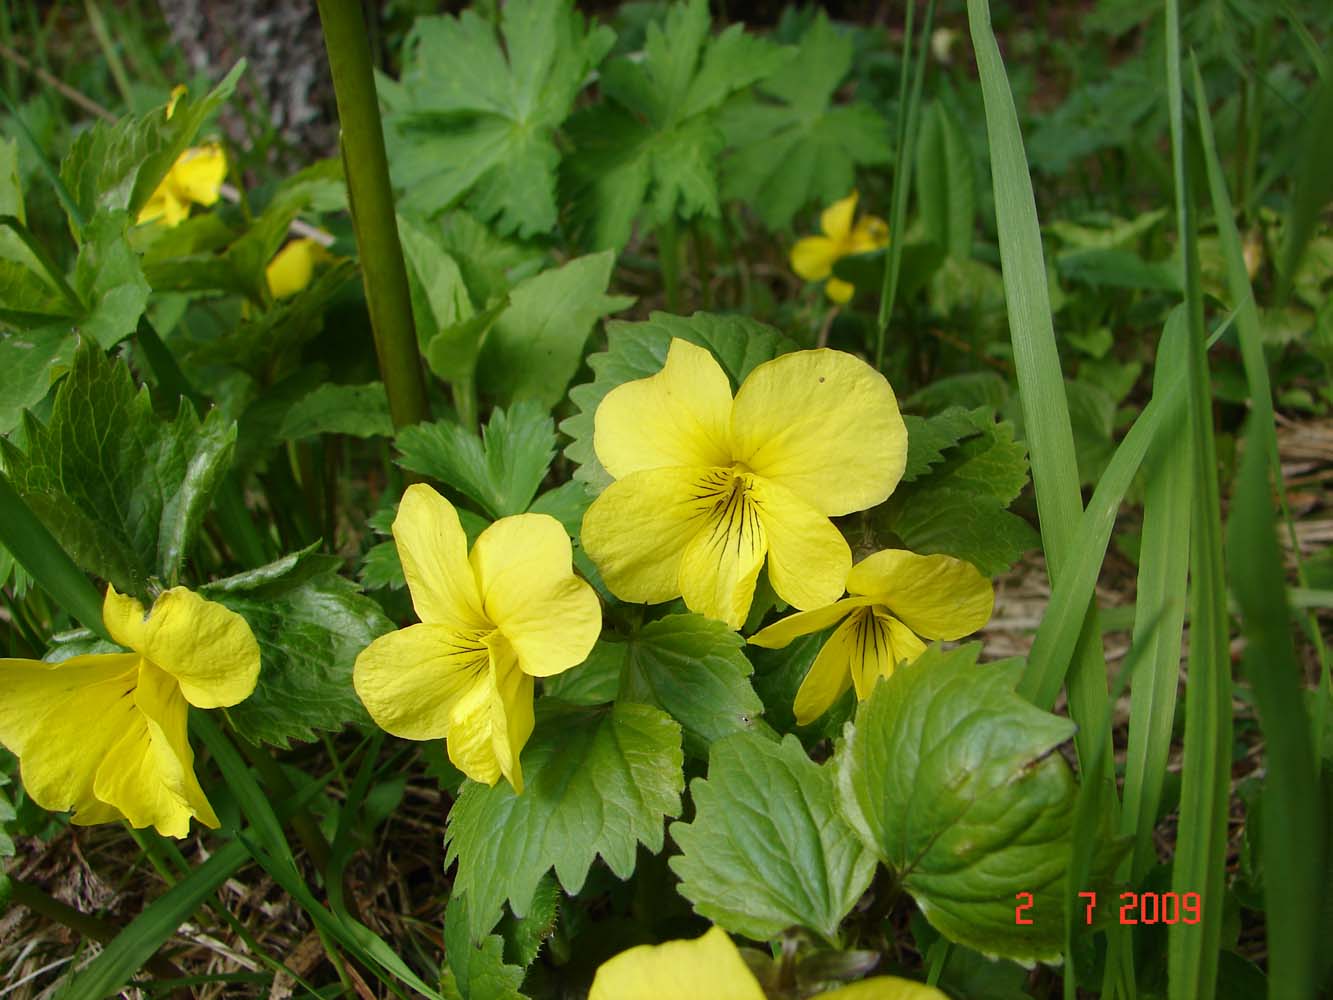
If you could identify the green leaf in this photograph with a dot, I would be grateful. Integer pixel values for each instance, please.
(524, 936)
(693, 668)
(637, 350)
(501, 470)
(796, 148)
(944, 181)
(120, 165)
(654, 143)
(475, 972)
(597, 782)
(122, 490)
(30, 360)
(476, 120)
(929, 438)
(953, 780)
(963, 524)
(536, 344)
(359, 410)
(109, 280)
(767, 849)
(311, 624)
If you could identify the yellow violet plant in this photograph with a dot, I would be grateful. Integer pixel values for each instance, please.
(896, 598)
(708, 487)
(492, 620)
(293, 266)
(711, 968)
(194, 179)
(813, 257)
(104, 734)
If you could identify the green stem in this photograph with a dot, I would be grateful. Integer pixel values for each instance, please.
(108, 46)
(371, 199)
(41, 555)
(303, 822)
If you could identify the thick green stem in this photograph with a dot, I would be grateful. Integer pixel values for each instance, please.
(371, 200)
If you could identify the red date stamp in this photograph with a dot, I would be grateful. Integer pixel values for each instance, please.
(1135, 907)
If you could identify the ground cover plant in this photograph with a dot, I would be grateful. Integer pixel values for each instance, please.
(668, 507)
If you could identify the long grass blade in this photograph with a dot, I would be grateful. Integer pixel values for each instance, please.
(1192, 949)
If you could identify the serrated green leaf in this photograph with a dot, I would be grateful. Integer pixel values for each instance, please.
(122, 490)
(929, 438)
(637, 350)
(767, 849)
(358, 410)
(475, 972)
(501, 470)
(477, 121)
(109, 280)
(29, 358)
(959, 523)
(119, 165)
(801, 150)
(694, 669)
(524, 936)
(654, 143)
(536, 343)
(954, 781)
(944, 181)
(597, 782)
(309, 635)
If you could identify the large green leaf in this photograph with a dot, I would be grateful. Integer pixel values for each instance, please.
(121, 489)
(30, 359)
(536, 343)
(311, 624)
(767, 849)
(944, 181)
(109, 280)
(475, 971)
(597, 782)
(358, 410)
(954, 781)
(693, 668)
(476, 120)
(501, 470)
(654, 143)
(791, 145)
(637, 350)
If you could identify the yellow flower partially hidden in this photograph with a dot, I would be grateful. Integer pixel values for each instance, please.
(194, 179)
(897, 596)
(293, 266)
(813, 257)
(490, 622)
(711, 968)
(105, 734)
(707, 487)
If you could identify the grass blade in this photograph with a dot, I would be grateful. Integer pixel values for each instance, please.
(1192, 949)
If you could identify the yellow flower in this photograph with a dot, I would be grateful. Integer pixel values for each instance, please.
(707, 486)
(105, 734)
(896, 596)
(813, 257)
(292, 267)
(194, 179)
(711, 968)
(490, 622)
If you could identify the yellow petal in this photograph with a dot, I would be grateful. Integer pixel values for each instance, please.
(208, 648)
(197, 174)
(808, 558)
(492, 721)
(885, 988)
(678, 417)
(781, 633)
(839, 291)
(823, 424)
(871, 233)
(871, 652)
(433, 551)
(706, 968)
(512, 718)
(936, 596)
(411, 681)
(721, 563)
(637, 530)
(904, 644)
(813, 257)
(836, 220)
(524, 568)
(61, 720)
(292, 267)
(149, 773)
(177, 92)
(830, 675)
